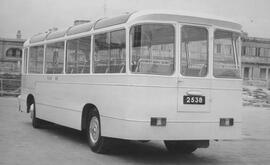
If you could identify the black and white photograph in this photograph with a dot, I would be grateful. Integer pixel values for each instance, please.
(116, 82)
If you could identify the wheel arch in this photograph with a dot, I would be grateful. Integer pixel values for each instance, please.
(86, 110)
(30, 99)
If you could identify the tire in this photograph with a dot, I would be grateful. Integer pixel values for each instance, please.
(96, 142)
(36, 122)
(182, 147)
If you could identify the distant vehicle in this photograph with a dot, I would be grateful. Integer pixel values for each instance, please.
(148, 75)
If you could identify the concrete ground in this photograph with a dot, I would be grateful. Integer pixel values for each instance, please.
(23, 145)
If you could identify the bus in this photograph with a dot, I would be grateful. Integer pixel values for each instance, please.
(149, 75)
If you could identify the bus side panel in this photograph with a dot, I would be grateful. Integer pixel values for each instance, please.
(62, 101)
(62, 116)
(59, 103)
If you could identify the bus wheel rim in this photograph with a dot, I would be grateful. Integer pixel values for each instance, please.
(94, 129)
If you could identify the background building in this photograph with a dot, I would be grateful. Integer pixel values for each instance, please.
(10, 64)
(11, 54)
(256, 61)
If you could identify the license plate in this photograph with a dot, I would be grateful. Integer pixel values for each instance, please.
(194, 99)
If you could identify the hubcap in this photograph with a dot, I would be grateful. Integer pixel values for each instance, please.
(94, 129)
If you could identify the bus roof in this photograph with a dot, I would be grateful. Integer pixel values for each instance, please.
(145, 15)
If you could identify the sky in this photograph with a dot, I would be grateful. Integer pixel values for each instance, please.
(35, 16)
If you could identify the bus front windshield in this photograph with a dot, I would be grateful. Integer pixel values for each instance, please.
(226, 52)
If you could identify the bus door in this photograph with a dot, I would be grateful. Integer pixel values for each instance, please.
(194, 82)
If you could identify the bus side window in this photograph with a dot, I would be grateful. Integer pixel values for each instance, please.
(78, 55)
(35, 63)
(54, 58)
(117, 51)
(101, 53)
(110, 52)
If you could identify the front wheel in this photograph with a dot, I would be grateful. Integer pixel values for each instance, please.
(182, 147)
(36, 122)
(96, 142)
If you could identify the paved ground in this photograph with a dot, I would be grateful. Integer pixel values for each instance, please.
(21, 144)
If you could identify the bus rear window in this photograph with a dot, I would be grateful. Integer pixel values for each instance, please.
(194, 51)
(226, 46)
(152, 49)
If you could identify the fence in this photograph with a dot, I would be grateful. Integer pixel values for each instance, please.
(10, 87)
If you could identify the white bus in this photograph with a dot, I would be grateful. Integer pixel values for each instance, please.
(147, 75)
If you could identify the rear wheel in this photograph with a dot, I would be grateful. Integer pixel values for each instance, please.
(182, 147)
(96, 142)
